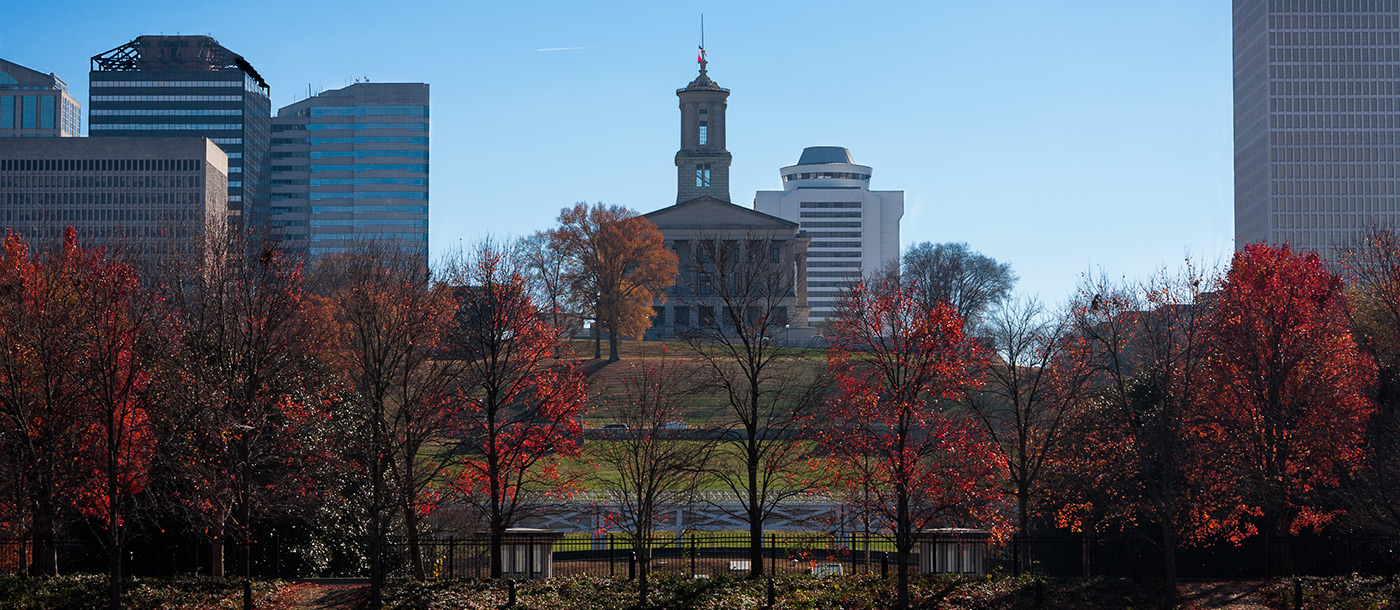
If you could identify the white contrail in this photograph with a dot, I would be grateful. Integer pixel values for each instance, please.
(565, 49)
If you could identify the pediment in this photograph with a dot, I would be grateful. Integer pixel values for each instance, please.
(708, 212)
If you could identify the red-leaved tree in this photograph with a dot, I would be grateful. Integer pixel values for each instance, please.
(1288, 400)
(518, 406)
(895, 359)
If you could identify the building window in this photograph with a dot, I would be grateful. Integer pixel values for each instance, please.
(704, 133)
(683, 317)
(702, 175)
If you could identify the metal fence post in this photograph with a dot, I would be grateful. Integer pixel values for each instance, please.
(612, 557)
(694, 550)
(451, 558)
(772, 553)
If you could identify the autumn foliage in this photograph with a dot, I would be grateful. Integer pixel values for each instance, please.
(1288, 403)
(896, 360)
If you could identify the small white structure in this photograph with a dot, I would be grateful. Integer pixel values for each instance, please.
(854, 231)
(526, 552)
(953, 551)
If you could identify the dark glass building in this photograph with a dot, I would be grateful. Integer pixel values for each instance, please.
(181, 86)
(350, 166)
(34, 104)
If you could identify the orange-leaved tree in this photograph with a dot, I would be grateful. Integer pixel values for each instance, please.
(518, 407)
(616, 262)
(895, 360)
(1288, 399)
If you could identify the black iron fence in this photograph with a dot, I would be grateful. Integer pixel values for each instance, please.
(691, 554)
(714, 553)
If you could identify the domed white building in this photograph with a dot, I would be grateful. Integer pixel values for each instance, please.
(854, 231)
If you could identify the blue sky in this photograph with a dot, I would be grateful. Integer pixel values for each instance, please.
(1063, 137)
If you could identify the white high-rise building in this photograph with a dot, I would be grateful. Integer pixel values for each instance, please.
(1317, 120)
(854, 230)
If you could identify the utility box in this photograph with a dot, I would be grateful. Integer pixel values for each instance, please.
(953, 551)
(525, 552)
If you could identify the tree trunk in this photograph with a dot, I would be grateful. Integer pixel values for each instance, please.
(1023, 503)
(496, 535)
(612, 344)
(1169, 566)
(216, 557)
(45, 561)
(755, 518)
(415, 554)
(643, 568)
(597, 339)
(114, 574)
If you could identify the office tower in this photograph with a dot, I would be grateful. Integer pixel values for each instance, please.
(350, 166)
(703, 213)
(854, 230)
(35, 104)
(1317, 120)
(153, 196)
(702, 163)
(183, 86)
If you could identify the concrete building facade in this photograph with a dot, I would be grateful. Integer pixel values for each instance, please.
(34, 104)
(1317, 120)
(702, 163)
(152, 196)
(703, 216)
(184, 86)
(854, 231)
(351, 166)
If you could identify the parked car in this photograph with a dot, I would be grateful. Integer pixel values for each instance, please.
(616, 427)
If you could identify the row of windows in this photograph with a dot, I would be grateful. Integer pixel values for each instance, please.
(1331, 187)
(361, 236)
(1324, 15)
(855, 273)
(826, 176)
(100, 207)
(350, 209)
(1299, 153)
(1316, 38)
(165, 126)
(100, 165)
(829, 214)
(1333, 170)
(168, 112)
(366, 167)
(363, 126)
(816, 264)
(166, 98)
(1326, 221)
(238, 141)
(1349, 204)
(845, 284)
(1333, 121)
(27, 112)
(706, 316)
(369, 195)
(357, 181)
(831, 225)
(364, 222)
(361, 154)
(830, 204)
(1331, 71)
(820, 234)
(423, 141)
(1337, 88)
(835, 244)
(413, 111)
(108, 181)
(814, 255)
(166, 83)
(1334, 104)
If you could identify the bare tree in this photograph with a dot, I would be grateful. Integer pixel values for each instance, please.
(1148, 345)
(769, 389)
(971, 282)
(391, 321)
(518, 406)
(544, 268)
(1038, 375)
(655, 474)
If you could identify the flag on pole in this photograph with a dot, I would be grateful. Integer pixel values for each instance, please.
(701, 58)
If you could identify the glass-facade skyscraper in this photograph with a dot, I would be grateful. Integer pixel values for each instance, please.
(350, 166)
(34, 104)
(1317, 120)
(175, 86)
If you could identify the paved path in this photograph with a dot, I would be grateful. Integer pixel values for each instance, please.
(323, 595)
(1232, 595)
